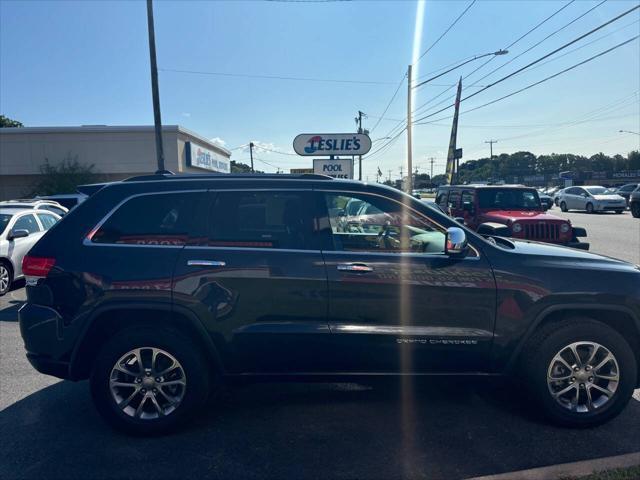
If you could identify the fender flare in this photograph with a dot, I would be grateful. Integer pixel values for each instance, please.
(513, 358)
(167, 307)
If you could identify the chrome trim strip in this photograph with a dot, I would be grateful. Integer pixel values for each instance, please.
(251, 249)
(206, 263)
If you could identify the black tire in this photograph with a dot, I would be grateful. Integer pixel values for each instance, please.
(554, 337)
(5, 269)
(635, 210)
(589, 207)
(563, 206)
(191, 359)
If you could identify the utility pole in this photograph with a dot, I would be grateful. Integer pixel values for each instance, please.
(431, 159)
(389, 175)
(491, 142)
(359, 122)
(409, 144)
(154, 86)
(251, 155)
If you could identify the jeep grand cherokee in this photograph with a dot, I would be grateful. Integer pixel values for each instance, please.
(159, 288)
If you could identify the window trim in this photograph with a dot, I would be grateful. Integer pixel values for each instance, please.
(87, 240)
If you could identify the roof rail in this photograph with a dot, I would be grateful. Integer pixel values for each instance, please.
(224, 176)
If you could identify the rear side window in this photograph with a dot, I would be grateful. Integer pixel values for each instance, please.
(160, 219)
(47, 220)
(52, 208)
(28, 223)
(279, 220)
(467, 197)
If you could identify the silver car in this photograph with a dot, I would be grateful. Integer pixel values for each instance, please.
(20, 229)
(591, 199)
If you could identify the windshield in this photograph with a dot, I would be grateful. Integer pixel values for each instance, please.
(508, 199)
(4, 221)
(599, 191)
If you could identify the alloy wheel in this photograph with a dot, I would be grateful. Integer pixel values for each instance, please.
(4, 279)
(147, 383)
(583, 376)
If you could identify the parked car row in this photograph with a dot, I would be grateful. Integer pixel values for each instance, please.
(22, 223)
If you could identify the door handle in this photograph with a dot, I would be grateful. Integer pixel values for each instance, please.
(354, 267)
(206, 263)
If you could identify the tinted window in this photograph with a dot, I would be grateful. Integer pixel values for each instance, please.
(381, 225)
(572, 191)
(442, 198)
(47, 220)
(467, 197)
(163, 219)
(261, 220)
(507, 199)
(4, 221)
(28, 223)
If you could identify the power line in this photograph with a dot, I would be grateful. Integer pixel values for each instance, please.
(544, 39)
(260, 147)
(531, 30)
(536, 61)
(446, 31)
(390, 101)
(277, 77)
(543, 80)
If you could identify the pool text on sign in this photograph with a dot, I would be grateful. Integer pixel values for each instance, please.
(336, 168)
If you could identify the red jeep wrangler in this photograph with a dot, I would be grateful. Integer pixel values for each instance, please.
(508, 211)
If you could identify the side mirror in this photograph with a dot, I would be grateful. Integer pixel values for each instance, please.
(456, 243)
(19, 233)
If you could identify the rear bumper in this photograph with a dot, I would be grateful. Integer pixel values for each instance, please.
(49, 366)
(42, 332)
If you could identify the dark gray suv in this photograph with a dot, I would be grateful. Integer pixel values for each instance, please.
(160, 288)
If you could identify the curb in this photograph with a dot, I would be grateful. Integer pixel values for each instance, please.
(563, 470)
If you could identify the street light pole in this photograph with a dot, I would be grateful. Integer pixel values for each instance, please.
(629, 131)
(157, 120)
(409, 126)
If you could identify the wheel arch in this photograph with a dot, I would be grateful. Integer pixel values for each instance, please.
(105, 321)
(623, 320)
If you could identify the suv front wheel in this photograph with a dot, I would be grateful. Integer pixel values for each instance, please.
(149, 380)
(581, 372)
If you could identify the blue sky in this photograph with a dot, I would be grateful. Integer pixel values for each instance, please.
(74, 63)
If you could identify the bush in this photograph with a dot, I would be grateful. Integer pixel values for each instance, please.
(64, 177)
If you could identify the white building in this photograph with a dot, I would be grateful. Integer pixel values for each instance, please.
(116, 152)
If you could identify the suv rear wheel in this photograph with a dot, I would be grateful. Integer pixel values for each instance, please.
(149, 380)
(581, 372)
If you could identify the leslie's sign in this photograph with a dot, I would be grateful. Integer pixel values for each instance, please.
(314, 144)
(200, 157)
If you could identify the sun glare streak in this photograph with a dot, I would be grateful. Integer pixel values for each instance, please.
(406, 360)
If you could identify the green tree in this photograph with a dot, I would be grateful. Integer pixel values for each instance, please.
(237, 167)
(6, 122)
(64, 177)
(633, 160)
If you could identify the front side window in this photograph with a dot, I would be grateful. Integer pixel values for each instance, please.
(162, 219)
(506, 199)
(441, 199)
(454, 199)
(381, 225)
(47, 220)
(28, 223)
(280, 220)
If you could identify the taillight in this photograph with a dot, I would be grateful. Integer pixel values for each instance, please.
(37, 266)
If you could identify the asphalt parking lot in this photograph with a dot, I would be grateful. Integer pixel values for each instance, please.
(437, 428)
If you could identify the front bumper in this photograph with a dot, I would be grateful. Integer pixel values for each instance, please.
(579, 245)
(609, 207)
(48, 366)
